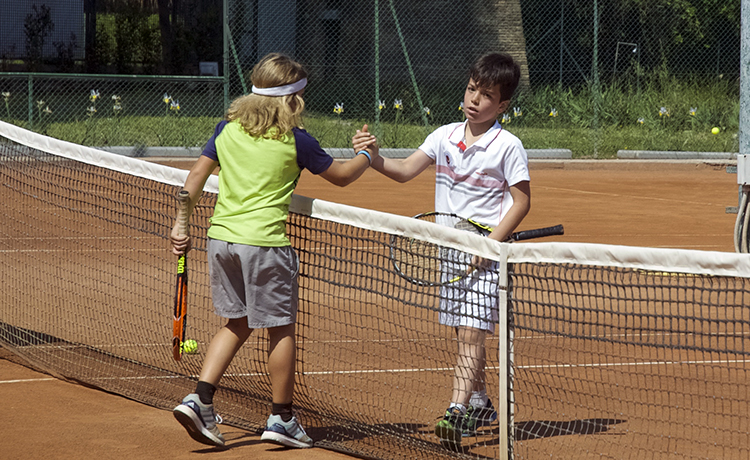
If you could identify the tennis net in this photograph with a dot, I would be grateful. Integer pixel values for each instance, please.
(605, 351)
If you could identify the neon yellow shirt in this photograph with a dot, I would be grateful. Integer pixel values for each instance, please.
(256, 182)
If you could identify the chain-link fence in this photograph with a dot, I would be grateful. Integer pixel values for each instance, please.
(598, 75)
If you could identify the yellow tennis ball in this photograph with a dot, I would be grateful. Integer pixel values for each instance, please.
(190, 346)
(715, 130)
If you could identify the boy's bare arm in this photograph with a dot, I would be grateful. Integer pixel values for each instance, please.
(521, 193)
(344, 173)
(194, 183)
(400, 170)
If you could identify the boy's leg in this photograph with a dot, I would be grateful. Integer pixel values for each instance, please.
(469, 371)
(480, 411)
(469, 368)
(222, 349)
(282, 426)
(282, 357)
(196, 412)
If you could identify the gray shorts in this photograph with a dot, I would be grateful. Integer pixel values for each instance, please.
(257, 282)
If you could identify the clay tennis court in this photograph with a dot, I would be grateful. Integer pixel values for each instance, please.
(653, 204)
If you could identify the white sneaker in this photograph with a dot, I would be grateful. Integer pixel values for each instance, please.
(290, 434)
(199, 420)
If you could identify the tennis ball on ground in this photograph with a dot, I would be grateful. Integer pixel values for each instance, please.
(715, 130)
(190, 346)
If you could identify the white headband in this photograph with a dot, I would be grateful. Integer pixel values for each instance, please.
(281, 90)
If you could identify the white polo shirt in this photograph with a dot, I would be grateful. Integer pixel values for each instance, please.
(475, 182)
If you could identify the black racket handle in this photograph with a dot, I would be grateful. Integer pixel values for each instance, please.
(537, 233)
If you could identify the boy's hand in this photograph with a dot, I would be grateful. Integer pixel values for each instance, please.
(181, 244)
(479, 263)
(364, 140)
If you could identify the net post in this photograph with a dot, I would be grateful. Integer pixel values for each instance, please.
(505, 359)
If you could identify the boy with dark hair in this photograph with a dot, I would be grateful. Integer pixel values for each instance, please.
(481, 173)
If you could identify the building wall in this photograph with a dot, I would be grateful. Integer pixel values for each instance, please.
(441, 37)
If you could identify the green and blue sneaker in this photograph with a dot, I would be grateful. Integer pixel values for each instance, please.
(477, 417)
(449, 429)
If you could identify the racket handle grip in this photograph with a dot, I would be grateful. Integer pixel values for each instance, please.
(183, 198)
(537, 233)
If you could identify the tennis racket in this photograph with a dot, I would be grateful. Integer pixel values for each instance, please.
(179, 318)
(428, 264)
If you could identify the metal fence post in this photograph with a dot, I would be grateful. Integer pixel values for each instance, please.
(744, 82)
(225, 36)
(31, 101)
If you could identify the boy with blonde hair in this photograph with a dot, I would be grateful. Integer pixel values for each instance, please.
(261, 151)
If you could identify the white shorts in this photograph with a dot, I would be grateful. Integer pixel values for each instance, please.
(472, 301)
(257, 282)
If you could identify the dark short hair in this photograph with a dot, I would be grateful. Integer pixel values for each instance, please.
(497, 69)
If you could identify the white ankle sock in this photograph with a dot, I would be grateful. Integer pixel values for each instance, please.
(479, 398)
(460, 407)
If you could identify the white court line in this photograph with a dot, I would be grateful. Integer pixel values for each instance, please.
(533, 366)
(634, 364)
(27, 380)
(651, 334)
(258, 343)
(68, 251)
(66, 238)
(370, 249)
(450, 369)
(622, 195)
(439, 369)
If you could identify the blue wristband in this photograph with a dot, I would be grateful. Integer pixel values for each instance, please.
(365, 153)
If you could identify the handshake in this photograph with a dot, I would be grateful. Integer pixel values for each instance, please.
(365, 143)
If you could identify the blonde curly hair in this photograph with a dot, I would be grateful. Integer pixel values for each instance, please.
(271, 117)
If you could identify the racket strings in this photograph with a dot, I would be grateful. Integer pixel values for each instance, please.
(431, 264)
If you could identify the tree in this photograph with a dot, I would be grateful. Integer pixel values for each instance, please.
(37, 27)
(167, 39)
(89, 10)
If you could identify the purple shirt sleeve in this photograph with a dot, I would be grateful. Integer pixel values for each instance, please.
(310, 154)
(210, 149)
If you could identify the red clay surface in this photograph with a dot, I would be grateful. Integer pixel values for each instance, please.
(654, 204)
